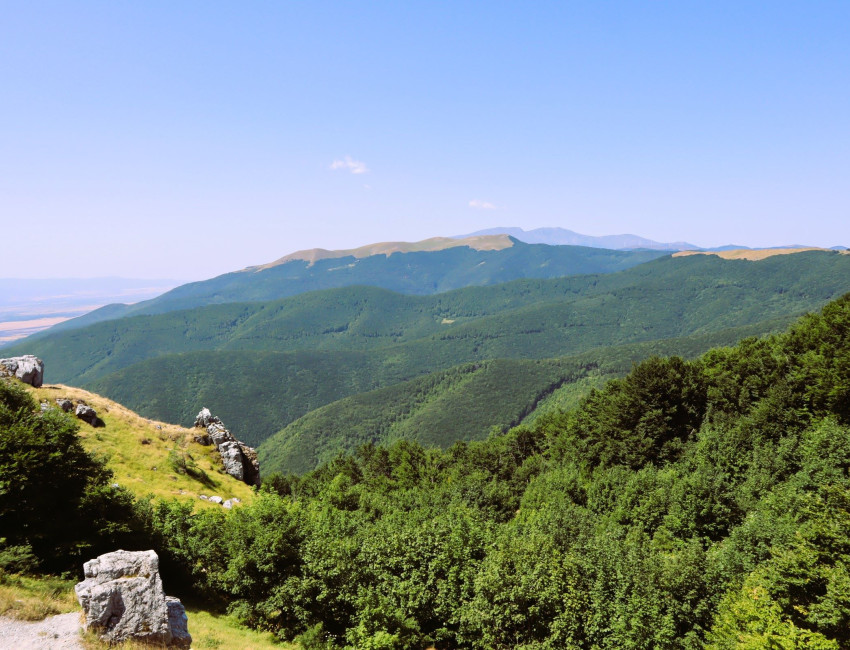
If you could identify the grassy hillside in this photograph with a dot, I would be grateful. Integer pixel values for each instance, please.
(33, 598)
(148, 457)
(418, 272)
(469, 402)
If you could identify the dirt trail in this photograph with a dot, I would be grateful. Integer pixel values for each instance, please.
(60, 632)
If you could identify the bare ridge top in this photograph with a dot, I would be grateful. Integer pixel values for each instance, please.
(752, 254)
(479, 242)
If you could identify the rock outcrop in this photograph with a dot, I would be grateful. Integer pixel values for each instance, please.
(123, 600)
(239, 460)
(28, 368)
(205, 419)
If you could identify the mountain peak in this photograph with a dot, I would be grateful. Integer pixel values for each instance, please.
(480, 242)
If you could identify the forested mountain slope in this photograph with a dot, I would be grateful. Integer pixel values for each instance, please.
(353, 334)
(689, 505)
(470, 401)
(521, 319)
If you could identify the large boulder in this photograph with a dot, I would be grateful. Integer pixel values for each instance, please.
(123, 600)
(28, 368)
(178, 623)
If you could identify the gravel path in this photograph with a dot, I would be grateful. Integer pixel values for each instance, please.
(55, 633)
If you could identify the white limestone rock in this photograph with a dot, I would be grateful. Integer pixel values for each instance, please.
(86, 414)
(123, 600)
(28, 368)
(205, 418)
(231, 456)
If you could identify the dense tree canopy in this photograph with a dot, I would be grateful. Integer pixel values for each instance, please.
(689, 504)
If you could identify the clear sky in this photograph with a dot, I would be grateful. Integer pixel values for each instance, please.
(187, 139)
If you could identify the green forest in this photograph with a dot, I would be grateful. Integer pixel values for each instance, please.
(691, 503)
(261, 366)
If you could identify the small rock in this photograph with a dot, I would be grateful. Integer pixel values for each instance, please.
(158, 428)
(86, 414)
(201, 439)
(219, 435)
(227, 504)
(64, 404)
(44, 406)
(216, 499)
(204, 497)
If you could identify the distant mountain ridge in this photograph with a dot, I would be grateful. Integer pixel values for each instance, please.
(417, 268)
(564, 237)
(312, 255)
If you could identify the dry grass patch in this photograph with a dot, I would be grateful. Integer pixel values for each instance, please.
(752, 255)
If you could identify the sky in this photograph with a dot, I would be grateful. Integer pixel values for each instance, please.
(184, 140)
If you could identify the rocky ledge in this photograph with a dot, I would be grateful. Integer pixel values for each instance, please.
(240, 460)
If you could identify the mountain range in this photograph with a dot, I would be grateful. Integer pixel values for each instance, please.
(564, 237)
(420, 268)
(534, 344)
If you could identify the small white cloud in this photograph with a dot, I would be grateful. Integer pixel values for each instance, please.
(354, 166)
(482, 205)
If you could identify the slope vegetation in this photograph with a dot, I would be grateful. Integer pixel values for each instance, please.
(363, 339)
(471, 401)
(688, 505)
(148, 457)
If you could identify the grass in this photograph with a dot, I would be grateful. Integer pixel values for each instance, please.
(209, 632)
(33, 599)
(149, 457)
(29, 598)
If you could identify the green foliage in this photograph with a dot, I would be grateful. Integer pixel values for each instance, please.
(463, 403)
(56, 503)
(690, 504)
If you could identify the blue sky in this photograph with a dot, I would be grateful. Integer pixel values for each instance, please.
(184, 140)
